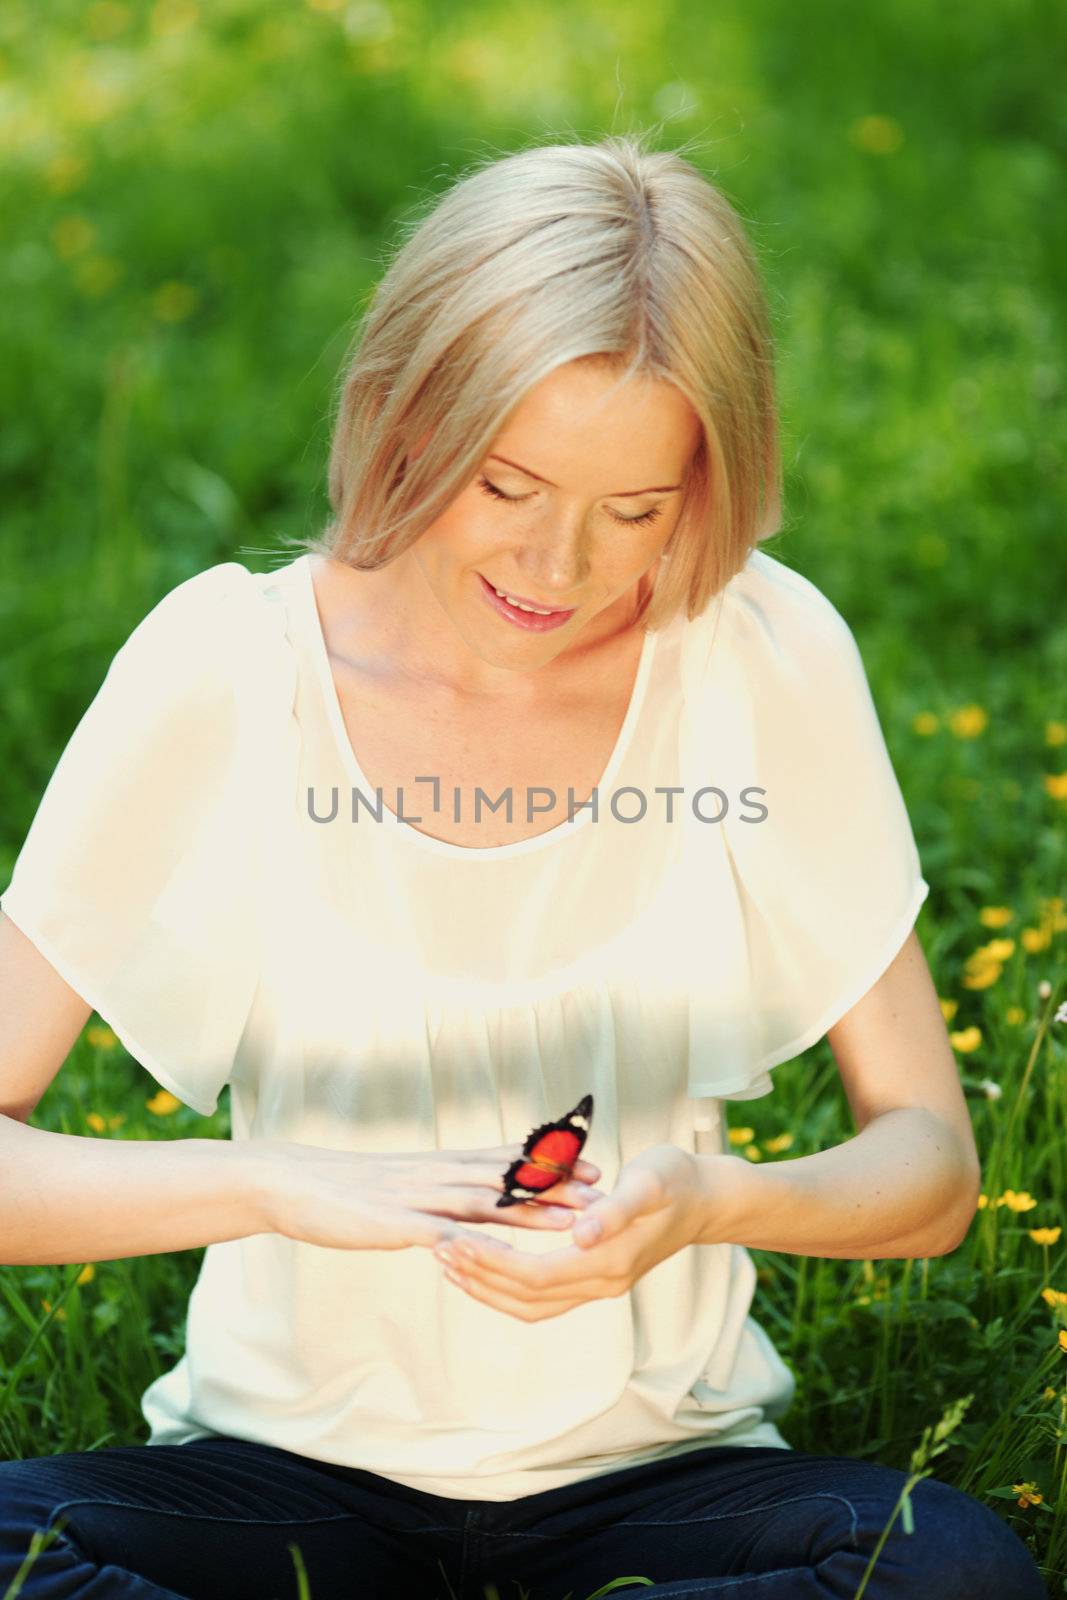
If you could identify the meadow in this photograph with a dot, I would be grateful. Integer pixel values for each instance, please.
(196, 202)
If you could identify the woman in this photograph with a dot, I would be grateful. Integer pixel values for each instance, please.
(264, 859)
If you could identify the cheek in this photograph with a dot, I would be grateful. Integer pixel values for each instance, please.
(461, 535)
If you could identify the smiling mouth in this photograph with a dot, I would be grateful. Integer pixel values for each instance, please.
(527, 605)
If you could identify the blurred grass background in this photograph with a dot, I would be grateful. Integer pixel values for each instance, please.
(195, 202)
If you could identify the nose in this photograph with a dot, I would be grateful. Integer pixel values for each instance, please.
(558, 560)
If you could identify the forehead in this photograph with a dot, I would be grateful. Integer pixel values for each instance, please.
(580, 420)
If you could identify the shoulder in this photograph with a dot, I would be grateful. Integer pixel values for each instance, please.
(208, 609)
(219, 629)
(768, 622)
(769, 600)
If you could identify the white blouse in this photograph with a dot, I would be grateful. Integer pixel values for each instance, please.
(365, 986)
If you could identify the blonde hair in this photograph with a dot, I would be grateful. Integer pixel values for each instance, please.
(605, 251)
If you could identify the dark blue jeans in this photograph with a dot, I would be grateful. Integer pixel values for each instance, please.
(213, 1520)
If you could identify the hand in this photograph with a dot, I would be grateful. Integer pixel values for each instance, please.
(349, 1200)
(657, 1207)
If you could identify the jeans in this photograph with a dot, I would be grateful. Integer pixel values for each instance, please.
(213, 1519)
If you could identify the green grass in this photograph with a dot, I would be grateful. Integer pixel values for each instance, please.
(195, 202)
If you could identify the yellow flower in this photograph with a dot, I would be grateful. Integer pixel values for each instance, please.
(1035, 939)
(101, 1038)
(1063, 1339)
(163, 1103)
(967, 722)
(781, 1141)
(752, 1151)
(1045, 1235)
(741, 1135)
(1056, 784)
(1028, 1493)
(1048, 1393)
(925, 723)
(87, 1274)
(99, 1125)
(995, 916)
(999, 949)
(1054, 1297)
(1051, 915)
(983, 1201)
(980, 974)
(1015, 1015)
(61, 1314)
(1023, 1201)
(1055, 733)
(966, 1040)
(949, 1009)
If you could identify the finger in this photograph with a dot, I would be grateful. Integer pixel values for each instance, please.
(567, 1193)
(578, 1190)
(519, 1269)
(608, 1215)
(522, 1311)
(475, 1205)
(492, 1274)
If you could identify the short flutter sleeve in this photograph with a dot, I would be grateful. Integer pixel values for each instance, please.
(140, 874)
(811, 882)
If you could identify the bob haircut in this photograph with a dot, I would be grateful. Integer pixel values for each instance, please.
(605, 251)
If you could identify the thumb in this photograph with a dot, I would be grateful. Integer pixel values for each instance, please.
(596, 1222)
(633, 1194)
(605, 1217)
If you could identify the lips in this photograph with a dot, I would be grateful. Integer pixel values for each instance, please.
(541, 605)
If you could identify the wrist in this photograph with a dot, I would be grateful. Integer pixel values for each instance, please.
(265, 1168)
(726, 1197)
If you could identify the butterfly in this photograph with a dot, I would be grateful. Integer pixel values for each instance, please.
(548, 1156)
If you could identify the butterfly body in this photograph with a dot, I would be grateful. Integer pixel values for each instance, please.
(548, 1155)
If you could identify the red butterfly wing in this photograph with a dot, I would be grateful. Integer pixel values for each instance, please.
(551, 1146)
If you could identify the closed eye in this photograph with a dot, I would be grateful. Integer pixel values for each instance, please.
(516, 499)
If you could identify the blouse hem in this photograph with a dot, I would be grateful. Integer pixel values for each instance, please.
(835, 1012)
(831, 1015)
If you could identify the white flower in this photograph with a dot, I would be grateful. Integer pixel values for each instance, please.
(1061, 1014)
(991, 1090)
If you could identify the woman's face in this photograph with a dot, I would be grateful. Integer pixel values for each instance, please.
(573, 503)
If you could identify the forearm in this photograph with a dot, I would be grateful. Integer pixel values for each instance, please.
(900, 1188)
(65, 1198)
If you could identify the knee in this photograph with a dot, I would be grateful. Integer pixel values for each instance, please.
(961, 1549)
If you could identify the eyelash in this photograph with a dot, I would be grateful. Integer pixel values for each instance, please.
(627, 522)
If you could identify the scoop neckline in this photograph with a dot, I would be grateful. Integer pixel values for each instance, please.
(426, 841)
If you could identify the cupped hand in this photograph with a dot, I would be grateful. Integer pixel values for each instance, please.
(658, 1206)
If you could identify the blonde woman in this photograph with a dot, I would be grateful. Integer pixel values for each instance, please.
(531, 778)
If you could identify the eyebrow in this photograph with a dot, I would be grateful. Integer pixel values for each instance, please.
(623, 494)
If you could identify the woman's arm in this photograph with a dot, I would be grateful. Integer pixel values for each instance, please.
(907, 1184)
(65, 1198)
(901, 1187)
